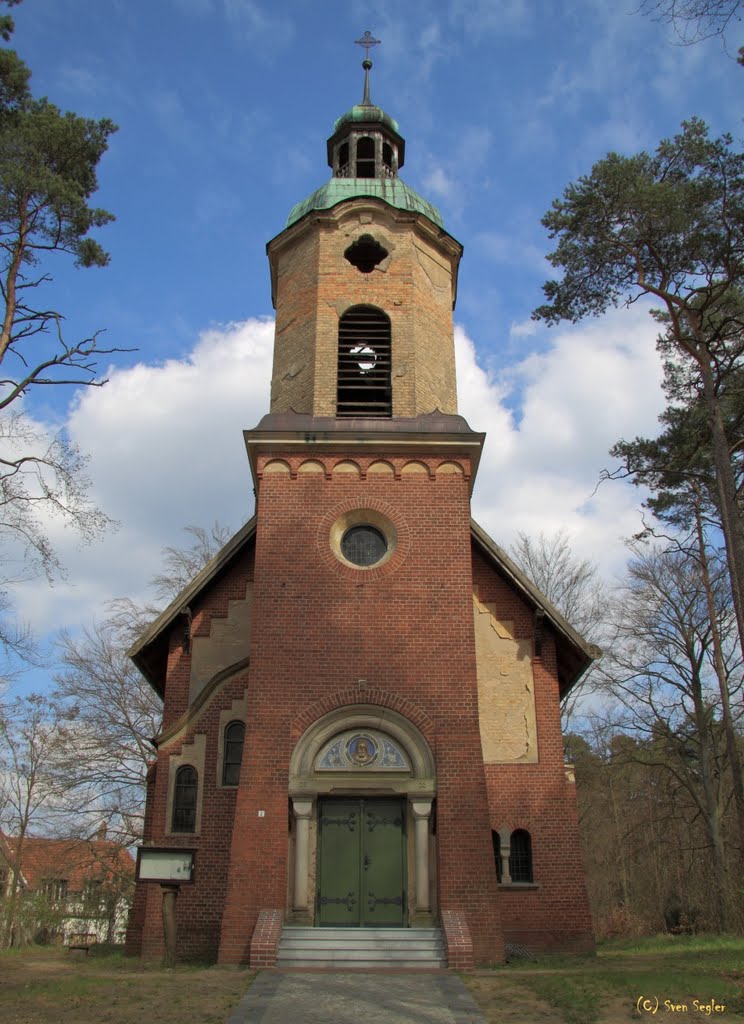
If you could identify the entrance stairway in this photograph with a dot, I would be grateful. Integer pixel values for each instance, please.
(351, 949)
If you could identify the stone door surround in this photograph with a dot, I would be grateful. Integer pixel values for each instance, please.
(307, 782)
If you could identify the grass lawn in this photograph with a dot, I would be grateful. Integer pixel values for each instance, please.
(53, 986)
(682, 978)
(50, 985)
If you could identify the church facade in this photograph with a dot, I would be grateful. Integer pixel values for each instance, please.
(361, 691)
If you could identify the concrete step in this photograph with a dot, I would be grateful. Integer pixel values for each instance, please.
(425, 945)
(362, 948)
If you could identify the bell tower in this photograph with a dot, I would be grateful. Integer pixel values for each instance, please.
(364, 281)
(362, 639)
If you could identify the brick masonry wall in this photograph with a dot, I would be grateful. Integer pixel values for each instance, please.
(316, 284)
(407, 630)
(538, 798)
(198, 905)
(317, 629)
(213, 603)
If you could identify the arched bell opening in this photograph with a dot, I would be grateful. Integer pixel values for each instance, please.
(362, 852)
(365, 157)
(363, 384)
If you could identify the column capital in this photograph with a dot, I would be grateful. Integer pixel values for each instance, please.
(302, 807)
(420, 808)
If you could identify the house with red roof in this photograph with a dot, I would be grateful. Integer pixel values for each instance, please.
(76, 891)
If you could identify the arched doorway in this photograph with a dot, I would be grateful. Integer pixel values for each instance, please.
(362, 785)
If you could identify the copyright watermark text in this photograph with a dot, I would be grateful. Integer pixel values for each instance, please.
(652, 1005)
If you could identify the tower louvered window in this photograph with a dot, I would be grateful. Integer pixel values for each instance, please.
(364, 363)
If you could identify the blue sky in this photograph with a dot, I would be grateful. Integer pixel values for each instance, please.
(224, 107)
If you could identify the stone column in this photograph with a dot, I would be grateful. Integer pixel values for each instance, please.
(505, 850)
(302, 811)
(421, 811)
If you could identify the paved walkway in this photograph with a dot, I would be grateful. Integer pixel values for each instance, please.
(329, 997)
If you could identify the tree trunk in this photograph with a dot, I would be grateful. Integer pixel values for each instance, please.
(732, 747)
(732, 525)
(712, 807)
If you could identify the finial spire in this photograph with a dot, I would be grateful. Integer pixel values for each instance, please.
(367, 41)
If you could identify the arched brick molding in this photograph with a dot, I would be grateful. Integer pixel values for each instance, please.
(373, 696)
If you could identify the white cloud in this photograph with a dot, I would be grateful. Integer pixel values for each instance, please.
(550, 422)
(439, 183)
(522, 329)
(166, 449)
(80, 80)
(174, 119)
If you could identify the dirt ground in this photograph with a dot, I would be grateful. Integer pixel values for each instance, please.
(62, 987)
(55, 986)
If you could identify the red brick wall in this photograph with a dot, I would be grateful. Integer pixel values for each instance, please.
(317, 630)
(199, 905)
(407, 630)
(538, 798)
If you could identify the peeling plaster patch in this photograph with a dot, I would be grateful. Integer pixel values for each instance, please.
(506, 699)
(439, 275)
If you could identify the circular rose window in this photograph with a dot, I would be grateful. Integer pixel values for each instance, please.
(362, 539)
(364, 545)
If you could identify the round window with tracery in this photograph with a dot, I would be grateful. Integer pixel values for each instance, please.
(364, 545)
(360, 539)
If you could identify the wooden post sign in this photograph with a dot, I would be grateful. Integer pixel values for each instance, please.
(171, 867)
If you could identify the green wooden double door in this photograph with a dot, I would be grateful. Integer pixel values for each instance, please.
(361, 863)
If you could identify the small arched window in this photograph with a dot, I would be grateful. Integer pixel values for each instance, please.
(496, 840)
(184, 799)
(387, 158)
(233, 753)
(520, 856)
(365, 161)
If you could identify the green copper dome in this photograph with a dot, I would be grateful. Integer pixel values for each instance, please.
(365, 152)
(391, 190)
(366, 113)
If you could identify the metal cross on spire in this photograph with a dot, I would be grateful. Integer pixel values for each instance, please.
(367, 41)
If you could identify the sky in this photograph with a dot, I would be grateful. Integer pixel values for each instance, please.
(223, 109)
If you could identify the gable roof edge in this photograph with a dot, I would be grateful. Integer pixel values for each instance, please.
(527, 588)
(182, 600)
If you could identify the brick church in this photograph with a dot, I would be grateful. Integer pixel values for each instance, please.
(361, 738)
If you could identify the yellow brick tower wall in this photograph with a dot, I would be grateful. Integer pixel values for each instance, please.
(316, 285)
